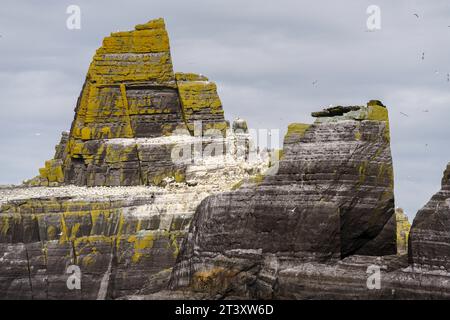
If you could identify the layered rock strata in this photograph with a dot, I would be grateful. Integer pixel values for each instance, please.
(403, 228)
(331, 197)
(429, 240)
(123, 239)
(131, 92)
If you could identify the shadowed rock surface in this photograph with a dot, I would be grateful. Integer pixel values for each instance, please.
(314, 225)
(131, 93)
(133, 115)
(430, 232)
(331, 197)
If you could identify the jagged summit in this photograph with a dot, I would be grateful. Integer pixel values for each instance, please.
(430, 231)
(131, 91)
(132, 113)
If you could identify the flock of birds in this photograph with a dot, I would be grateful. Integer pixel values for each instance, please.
(423, 58)
(436, 72)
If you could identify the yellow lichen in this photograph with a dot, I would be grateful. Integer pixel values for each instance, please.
(297, 129)
(379, 113)
(179, 176)
(403, 229)
(181, 76)
(51, 233)
(362, 171)
(211, 279)
(141, 242)
(4, 225)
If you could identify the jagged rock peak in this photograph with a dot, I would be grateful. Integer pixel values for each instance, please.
(331, 197)
(403, 228)
(430, 232)
(130, 96)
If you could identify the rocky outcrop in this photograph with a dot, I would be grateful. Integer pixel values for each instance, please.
(130, 96)
(429, 240)
(123, 239)
(192, 211)
(331, 197)
(403, 227)
(136, 123)
(110, 240)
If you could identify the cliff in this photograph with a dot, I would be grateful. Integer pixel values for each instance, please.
(331, 197)
(149, 203)
(158, 140)
(131, 95)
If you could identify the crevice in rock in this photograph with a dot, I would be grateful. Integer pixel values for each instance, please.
(29, 271)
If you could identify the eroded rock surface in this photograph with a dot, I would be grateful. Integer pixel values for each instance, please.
(403, 228)
(132, 93)
(429, 246)
(124, 239)
(136, 128)
(331, 197)
(315, 225)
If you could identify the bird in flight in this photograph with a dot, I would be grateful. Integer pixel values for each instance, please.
(314, 82)
(416, 15)
(404, 114)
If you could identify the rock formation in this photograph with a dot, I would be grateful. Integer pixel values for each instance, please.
(403, 227)
(124, 238)
(429, 245)
(332, 197)
(131, 95)
(151, 195)
(136, 123)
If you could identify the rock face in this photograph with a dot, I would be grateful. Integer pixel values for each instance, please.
(403, 227)
(123, 239)
(429, 240)
(141, 200)
(331, 197)
(136, 123)
(131, 93)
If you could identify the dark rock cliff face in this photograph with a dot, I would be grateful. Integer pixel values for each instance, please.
(331, 197)
(41, 238)
(429, 246)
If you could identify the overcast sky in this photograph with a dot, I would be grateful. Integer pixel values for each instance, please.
(264, 56)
